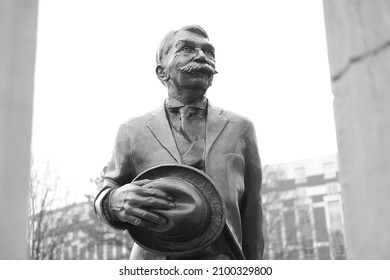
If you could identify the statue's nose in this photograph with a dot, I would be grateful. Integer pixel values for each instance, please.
(199, 55)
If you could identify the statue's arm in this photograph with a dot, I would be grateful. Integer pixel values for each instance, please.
(251, 207)
(118, 173)
(122, 202)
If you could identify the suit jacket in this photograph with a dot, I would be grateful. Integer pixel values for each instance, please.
(231, 160)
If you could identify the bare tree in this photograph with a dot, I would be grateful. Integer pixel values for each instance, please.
(47, 227)
(62, 229)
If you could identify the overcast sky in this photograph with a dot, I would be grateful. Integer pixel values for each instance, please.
(95, 69)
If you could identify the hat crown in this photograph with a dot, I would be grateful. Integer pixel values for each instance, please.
(191, 214)
(196, 221)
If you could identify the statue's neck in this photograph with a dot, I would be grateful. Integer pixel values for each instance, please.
(187, 96)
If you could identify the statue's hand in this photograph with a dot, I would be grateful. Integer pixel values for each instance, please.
(132, 203)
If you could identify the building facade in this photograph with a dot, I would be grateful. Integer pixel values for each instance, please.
(92, 240)
(76, 234)
(303, 214)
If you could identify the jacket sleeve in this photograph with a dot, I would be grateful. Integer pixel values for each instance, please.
(118, 173)
(251, 206)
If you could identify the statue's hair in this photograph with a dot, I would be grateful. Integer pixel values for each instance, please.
(166, 43)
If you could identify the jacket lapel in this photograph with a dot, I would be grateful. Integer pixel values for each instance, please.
(214, 126)
(161, 130)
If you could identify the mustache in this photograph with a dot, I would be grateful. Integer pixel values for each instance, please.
(198, 67)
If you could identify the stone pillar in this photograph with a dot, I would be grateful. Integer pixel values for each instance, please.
(18, 22)
(358, 37)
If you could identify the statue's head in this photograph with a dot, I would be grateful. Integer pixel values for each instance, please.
(186, 60)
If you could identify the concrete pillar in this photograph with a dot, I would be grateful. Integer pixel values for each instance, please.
(358, 36)
(18, 22)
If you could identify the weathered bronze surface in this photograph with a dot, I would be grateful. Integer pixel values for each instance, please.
(188, 130)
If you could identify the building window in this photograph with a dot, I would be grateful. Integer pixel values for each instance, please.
(91, 251)
(335, 215)
(119, 252)
(290, 229)
(100, 253)
(300, 175)
(110, 251)
(66, 254)
(74, 253)
(82, 252)
(306, 230)
(274, 227)
(336, 230)
(329, 170)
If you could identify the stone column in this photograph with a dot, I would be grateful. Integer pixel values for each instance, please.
(358, 36)
(18, 22)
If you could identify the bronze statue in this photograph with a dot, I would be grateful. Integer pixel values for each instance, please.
(185, 138)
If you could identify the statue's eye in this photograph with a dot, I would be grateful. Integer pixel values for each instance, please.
(208, 52)
(186, 49)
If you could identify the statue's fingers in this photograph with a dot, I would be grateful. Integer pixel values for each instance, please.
(142, 182)
(151, 217)
(157, 193)
(152, 202)
(141, 217)
(136, 221)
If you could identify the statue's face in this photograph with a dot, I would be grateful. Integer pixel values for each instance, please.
(190, 62)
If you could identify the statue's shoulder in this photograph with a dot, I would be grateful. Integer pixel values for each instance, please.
(139, 122)
(232, 116)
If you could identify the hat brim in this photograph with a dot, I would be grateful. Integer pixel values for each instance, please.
(151, 241)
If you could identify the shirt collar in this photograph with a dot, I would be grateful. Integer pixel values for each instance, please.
(174, 103)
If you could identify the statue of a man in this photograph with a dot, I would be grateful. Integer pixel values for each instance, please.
(187, 130)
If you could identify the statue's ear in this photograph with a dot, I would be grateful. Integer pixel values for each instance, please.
(162, 74)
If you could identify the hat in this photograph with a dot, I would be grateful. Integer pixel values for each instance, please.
(197, 219)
